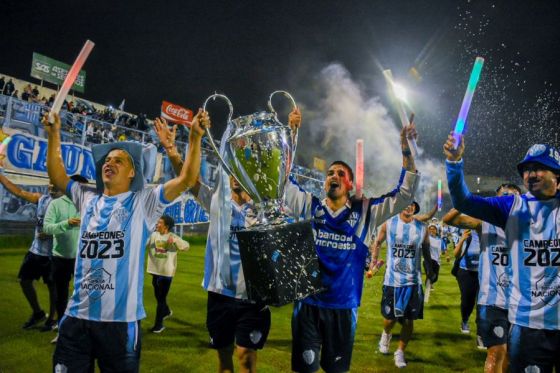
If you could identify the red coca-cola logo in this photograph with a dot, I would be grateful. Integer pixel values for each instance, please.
(175, 113)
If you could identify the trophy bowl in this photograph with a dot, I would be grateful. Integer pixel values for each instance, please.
(278, 256)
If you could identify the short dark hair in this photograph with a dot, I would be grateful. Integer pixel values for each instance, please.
(168, 221)
(79, 178)
(509, 186)
(346, 166)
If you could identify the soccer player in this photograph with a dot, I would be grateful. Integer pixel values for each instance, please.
(102, 320)
(494, 278)
(162, 263)
(531, 225)
(232, 320)
(324, 324)
(403, 299)
(62, 222)
(37, 261)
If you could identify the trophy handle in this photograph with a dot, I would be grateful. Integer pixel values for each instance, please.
(211, 139)
(289, 97)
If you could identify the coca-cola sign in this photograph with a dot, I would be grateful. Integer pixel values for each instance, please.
(176, 114)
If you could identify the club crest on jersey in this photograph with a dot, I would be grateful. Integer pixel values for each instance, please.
(353, 219)
(503, 280)
(547, 289)
(96, 282)
(121, 214)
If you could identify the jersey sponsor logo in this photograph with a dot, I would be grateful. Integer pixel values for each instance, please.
(541, 253)
(334, 240)
(96, 282)
(547, 289)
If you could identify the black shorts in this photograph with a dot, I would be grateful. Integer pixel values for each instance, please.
(414, 310)
(533, 350)
(232, 320)
(115, 345)
(62, 268)
(34, 267)
(327, 332)
(492, 325)
(435, 269)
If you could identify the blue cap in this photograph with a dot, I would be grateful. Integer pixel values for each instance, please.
(542, 154)
(133, 149)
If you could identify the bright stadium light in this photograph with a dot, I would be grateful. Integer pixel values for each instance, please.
(400, 92)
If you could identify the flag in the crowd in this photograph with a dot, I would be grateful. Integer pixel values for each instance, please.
(176, 114)
(319, 164)
(121, 106)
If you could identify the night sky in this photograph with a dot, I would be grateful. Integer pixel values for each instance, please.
(183, 51)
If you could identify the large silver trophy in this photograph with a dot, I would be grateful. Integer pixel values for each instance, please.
(279, 260)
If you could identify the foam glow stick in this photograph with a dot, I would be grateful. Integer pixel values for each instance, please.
(465, 106)
(359, 167)
(400, 109)
(439, 196)
(4, 144)
(71, 78)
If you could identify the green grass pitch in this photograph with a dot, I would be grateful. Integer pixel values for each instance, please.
(437, 344)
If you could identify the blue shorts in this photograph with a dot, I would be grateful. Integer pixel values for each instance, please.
(533, 350)
(492, 325)
(115, 345)
(414, 309)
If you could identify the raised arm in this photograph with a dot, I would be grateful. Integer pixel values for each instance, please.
(456, 219)
(458, 250)
(167, 139)
(17, 191)
(494, 210)
(190, 170)
(374, 248)
(427, 216)
(55, 165)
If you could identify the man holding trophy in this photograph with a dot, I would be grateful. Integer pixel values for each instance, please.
(325, 323)
(232, 319)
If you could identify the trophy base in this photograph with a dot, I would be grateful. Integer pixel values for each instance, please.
(280, 263)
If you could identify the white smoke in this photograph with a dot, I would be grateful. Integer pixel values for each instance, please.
(343, 114)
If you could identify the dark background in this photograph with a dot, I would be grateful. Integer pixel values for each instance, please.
(182, 51)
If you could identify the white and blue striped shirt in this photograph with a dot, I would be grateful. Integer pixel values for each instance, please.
(404, 251)
(437, 245)
(109, 272)
(40, 246)
(494, 267)
(532, 229)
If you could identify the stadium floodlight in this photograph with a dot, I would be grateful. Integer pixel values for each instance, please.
(400, 92)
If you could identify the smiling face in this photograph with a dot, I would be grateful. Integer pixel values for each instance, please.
(338, 183)
(539, 180)
(117, 170)
(408, 212)
(161, 228)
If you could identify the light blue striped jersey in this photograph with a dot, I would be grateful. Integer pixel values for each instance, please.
(493, 267)
(109, 272)
(469, 261)
(404, 252)
(223, 272)
(437, 245)
(532, 229)
(342, 237)
(42, 247)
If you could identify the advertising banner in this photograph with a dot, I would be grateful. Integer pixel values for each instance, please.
(53, 71)
(176, 114)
